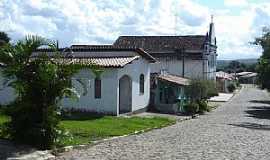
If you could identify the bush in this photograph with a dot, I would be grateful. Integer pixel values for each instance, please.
(203, 106)
(191, 108)
(237, 84)
(231, 87)
(201, 90)
(211, 88)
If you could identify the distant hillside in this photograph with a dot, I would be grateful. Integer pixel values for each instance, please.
(246, 65)
(245, 61)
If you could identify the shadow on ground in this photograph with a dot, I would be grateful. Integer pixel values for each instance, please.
(9, 149)
(260, 101)
(252, 126)
(260, 110)
(80, 116)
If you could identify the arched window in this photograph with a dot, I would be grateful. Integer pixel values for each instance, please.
(141, 84)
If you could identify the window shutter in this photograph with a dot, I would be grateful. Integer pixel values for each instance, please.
(97, 88)
(141, 84)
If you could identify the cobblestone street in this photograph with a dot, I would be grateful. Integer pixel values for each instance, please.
(240, 129)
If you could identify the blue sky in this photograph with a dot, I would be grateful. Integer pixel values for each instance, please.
(237, 22)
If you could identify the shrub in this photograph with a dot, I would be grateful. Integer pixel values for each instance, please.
(211, 88)
(201, 90)
(191, 108)
(237, 84)
(203, 106)
(231, 87)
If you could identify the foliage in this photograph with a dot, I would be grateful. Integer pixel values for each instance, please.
(4, 39)
(203, 106)
(231, 87)
(191, 107)
(201, 89)
(40, 84)
(263, 67)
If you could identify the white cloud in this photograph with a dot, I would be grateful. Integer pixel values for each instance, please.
(102, 21)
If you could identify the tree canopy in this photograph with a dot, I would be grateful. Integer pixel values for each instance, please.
(263, 67)
(4, 38)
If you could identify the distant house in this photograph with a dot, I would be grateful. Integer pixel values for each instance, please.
(223, 80)
(170, 90)
(247, 77)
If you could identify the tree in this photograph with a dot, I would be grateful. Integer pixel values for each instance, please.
(40, 82)
(263, 67)
(4, 38)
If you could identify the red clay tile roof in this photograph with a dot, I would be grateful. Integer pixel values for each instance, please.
(162, 44)
(93, 55)
(102, 62)
(224, 75)
(90, 51)
(174, 79)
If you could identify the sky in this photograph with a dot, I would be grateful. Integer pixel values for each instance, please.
(237, 22)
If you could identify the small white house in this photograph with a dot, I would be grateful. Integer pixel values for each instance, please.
(123, 84)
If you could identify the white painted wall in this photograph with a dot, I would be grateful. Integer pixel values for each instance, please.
(106, 104)
(7, 94)
(134, 70)
(109, 101)
(193, 68)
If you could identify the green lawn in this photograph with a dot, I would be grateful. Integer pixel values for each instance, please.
(85, 129)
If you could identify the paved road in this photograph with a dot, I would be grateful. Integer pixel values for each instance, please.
(240, 129)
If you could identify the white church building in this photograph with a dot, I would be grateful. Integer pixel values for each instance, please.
(123, 83)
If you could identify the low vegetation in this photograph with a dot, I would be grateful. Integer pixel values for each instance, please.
(83, 128)
(231, 87)
(198, 92)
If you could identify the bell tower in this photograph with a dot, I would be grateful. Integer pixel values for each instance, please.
(212, 35)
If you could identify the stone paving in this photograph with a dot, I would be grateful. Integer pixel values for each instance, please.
(239, 129)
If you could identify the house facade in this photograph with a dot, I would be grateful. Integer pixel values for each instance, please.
(223, 80)
(168, 93)
(120, 85)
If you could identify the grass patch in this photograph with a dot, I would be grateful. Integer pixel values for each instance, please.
(85, 129)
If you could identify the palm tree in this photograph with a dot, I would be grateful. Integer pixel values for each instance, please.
(40, 84)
